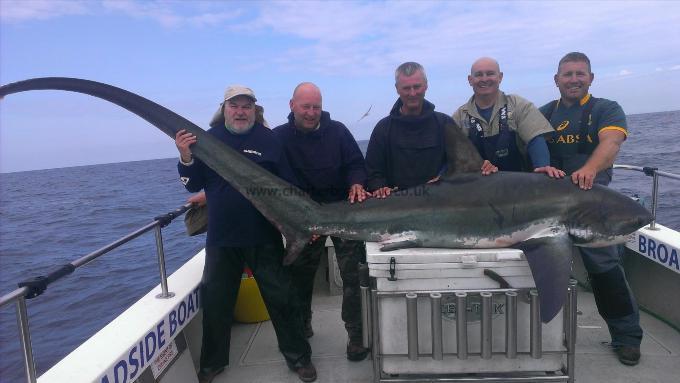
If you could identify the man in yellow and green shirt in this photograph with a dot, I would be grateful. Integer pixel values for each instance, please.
(587, 138)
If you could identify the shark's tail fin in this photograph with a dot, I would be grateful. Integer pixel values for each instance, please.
(286, 206)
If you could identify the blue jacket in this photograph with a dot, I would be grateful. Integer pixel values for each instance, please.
(326, 161)
(232, 220)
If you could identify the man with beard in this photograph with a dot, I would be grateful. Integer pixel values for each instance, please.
(237, 235)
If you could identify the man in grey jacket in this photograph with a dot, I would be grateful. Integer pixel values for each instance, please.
(507, 130)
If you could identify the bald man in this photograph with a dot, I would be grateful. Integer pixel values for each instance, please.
(507, 130)
(329, 166)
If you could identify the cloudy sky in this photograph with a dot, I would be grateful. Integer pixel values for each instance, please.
(182, 54)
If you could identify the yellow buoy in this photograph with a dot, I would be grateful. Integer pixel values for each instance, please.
(249, 307)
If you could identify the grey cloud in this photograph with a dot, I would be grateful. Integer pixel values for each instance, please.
(17, 11)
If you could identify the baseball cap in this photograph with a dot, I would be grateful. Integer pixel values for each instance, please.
(231, 92)
(238, 90)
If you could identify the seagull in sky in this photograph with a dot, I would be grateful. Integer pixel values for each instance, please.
(365, 114)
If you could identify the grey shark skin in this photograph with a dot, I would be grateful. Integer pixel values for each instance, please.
(541, 216)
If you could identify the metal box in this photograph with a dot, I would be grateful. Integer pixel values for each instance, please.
(435, 276)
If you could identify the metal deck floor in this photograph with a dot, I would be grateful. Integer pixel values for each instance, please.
(255, 356)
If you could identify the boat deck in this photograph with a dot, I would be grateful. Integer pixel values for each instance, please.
(255, 356)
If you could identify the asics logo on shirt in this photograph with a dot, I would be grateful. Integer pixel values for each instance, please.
(562, 126)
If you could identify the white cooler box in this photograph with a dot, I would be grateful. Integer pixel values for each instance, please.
(446, 270)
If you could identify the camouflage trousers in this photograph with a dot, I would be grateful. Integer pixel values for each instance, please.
(348, 254)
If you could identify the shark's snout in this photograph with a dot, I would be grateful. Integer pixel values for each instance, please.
(631, 219)
(644, 221)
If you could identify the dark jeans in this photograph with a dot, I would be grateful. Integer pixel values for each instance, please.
(614, 300)
(220, 285)
(348, 254)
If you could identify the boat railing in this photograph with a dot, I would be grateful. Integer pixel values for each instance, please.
(34, 287)
(655, 173)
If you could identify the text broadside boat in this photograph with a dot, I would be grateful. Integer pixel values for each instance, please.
(499, 336)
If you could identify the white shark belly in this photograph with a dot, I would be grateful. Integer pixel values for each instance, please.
(441, 239)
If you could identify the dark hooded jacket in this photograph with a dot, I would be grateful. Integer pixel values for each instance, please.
(326, 161)
(406, 151)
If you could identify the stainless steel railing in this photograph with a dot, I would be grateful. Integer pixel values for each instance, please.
(655, 174)
(36, 286)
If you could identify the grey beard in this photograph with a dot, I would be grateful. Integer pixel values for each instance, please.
(234, 131)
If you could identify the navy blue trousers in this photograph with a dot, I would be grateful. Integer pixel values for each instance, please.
(613, 297)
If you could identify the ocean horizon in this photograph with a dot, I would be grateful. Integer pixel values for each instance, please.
(363, 144)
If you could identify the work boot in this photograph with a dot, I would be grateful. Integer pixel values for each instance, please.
(356, 352)
(628, 355)
(309, 332)
(306, 372)
(206, 375)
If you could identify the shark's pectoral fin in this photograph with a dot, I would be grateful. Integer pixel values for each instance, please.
(550, 262)
(406, 244)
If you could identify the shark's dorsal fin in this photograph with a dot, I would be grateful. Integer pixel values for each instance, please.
(461, 155)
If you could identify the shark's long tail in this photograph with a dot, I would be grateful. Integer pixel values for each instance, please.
(256, 184)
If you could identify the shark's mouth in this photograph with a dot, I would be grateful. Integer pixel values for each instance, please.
(600, 241)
